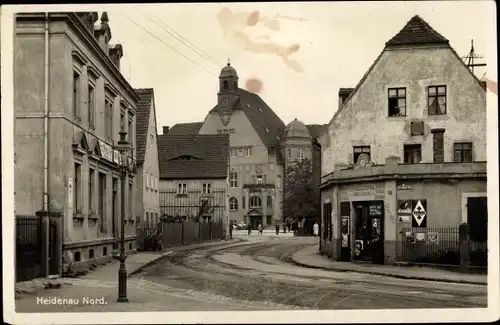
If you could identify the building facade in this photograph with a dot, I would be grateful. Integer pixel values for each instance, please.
(406, 149)
(194, 177)
(147, 204)
(70, 103)
(259, 142)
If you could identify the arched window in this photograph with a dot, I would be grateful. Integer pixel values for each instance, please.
(225, 85)
(233, 204)
(269, 201)
(255, 202)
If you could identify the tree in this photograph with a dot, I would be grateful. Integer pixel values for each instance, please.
(299, 191)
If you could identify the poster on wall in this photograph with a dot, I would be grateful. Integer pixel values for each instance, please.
(375, 209)
(345, 230)
(419, 213)
(404, 207)
(420, 236)
(410, 237)
(433, 237)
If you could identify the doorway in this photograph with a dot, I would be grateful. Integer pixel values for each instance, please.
(369, 231)
(114, 208)
(254, 221)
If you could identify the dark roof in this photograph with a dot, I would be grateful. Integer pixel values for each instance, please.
(417, 31)
(316, 129)
(266, 123)
(146, 96)
(210, 156)
(185, 128)
(345, 91)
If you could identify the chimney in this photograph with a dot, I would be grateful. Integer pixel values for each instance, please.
(116, 53)
(166, 129)
(103, 32)
(343, 94)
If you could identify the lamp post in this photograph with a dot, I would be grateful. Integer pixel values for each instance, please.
(124, 148)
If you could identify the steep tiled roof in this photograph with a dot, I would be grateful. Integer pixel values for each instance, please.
(266, 123)
(417, 31)
(316, 129)
(146, 96)
(185, 128)
(209, 156)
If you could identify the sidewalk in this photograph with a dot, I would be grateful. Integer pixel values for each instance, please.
(311, 258)
(109, 272)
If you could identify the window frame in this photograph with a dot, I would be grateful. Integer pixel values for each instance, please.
(207, 188)
(91, 103)
(462, 150)
(256, 199)
(233, 204)
(108, 117)
(181, 188)
(233, 179)
(91, 190)
(269, 202)
(397, 97)
(76, 94)
(363, 150)
(77, 181)
(436, 96)
(409, 150)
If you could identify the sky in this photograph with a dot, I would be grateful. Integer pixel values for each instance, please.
(301, 53)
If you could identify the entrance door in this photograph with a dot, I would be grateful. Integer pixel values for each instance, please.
(254, 221)
(369, 244)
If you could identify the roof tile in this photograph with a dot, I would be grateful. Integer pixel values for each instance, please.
(417, 31)
(185, 128)
(143, 111)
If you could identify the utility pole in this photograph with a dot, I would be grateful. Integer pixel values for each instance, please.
(471, 57)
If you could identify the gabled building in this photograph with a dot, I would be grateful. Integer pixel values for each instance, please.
(71, 101)
(259, 147)
(194, 171)
(406, 151)
(148, 171)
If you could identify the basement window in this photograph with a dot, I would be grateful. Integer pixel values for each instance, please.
(397, 101)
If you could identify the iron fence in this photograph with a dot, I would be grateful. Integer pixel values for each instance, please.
(431, 245)
(194, 205)
(439, 246)
(28, 247)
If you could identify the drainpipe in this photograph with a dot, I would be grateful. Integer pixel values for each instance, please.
(46, 117)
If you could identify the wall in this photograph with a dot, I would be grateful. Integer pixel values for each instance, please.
(364, 119)
(148, 200)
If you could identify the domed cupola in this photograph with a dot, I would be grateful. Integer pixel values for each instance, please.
(297, 129)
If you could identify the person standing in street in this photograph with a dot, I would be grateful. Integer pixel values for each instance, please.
(260, 228)
(316, 229)
(249, 228)
(277, 229)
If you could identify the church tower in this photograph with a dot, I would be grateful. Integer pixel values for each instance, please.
(228, 89)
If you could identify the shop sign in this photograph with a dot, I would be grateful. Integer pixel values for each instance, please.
(375, 209)
(420, 236)
(106, 151)
(419, 214)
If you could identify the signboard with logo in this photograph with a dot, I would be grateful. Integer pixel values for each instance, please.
(375, 209)
(419, 213)
(433, 237)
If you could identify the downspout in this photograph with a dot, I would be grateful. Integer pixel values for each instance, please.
(46, 118)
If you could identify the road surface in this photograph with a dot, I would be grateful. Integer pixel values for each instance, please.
(261, 271)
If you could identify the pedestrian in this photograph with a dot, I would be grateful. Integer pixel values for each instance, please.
(284, 228)
(315, 229)
(249, 227)
(260, 229)
(277, 229)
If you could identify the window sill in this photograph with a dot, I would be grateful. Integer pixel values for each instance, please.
(233, 210)
(93, 217)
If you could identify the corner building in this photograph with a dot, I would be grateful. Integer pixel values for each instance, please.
(406, 149)
(88, 102)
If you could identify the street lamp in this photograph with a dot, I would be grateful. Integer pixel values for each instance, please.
(123, 148)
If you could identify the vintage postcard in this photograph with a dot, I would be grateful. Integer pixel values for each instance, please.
(250, 162)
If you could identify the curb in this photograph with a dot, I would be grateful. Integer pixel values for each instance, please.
(391, 275)
(170, 253)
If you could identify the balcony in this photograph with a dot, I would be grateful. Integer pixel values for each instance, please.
(391, 170)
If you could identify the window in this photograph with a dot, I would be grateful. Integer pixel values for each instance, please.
(413, 153)
(269, 201)
(259, 179)
(300, 154)
(207, 188)
(248, 151)
(91, 106)
(91, 191)
(361, 150)
(108, 119)
(438, 145)
(233, 180)
(157, 220)
(436, 100)
(76, 190)
(255, 202)
(130, 131)
(76, 94)
(225, 85)
(233, 204)
(182, 188)
(278, 181)
(397, 101)
(147, 218)
(233, 152)
(130, 200)
(258, 169)
(463, 151)
(77, 256)
(147, 180)
(102, 200)
(243, 202)
(289, 154)
(91, 254)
